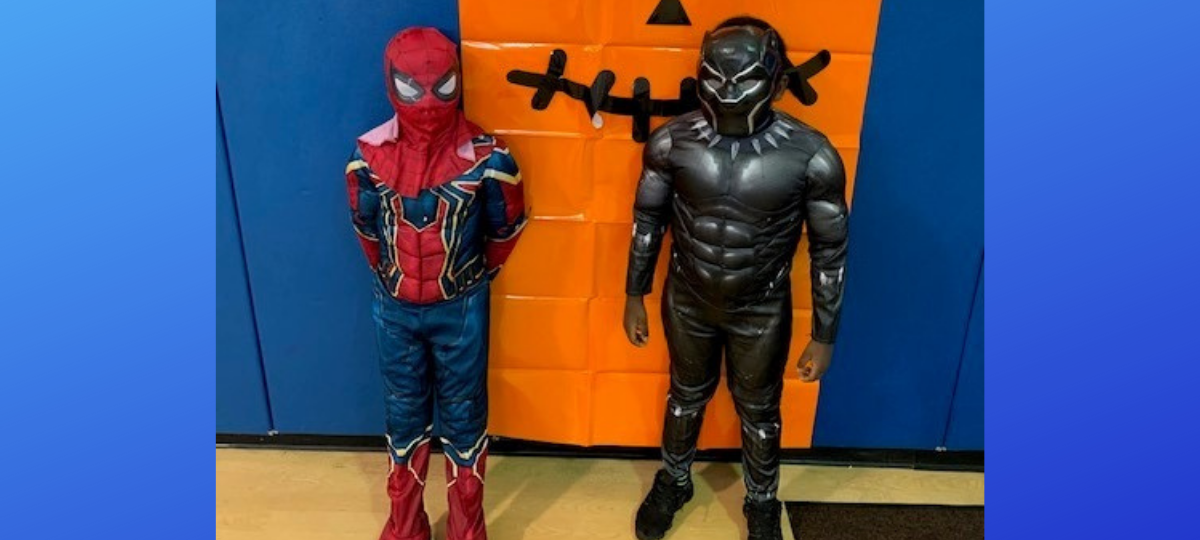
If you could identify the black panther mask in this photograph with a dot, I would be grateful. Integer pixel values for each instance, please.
(740, 72)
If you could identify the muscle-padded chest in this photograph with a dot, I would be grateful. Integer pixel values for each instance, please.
(764, 182)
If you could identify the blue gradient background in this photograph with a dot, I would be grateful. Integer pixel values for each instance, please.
(1091, 200)
(107, 275)
(107, 281)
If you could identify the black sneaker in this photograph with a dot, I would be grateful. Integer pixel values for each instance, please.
(658, 510)
(762, 519)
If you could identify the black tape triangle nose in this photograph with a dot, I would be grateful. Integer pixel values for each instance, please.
(669, 12)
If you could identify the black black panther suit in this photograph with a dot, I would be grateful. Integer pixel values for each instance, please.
(734, 182)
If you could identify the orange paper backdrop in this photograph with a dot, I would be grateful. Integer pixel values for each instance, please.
(561, 369)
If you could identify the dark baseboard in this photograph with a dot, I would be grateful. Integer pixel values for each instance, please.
(858, 457)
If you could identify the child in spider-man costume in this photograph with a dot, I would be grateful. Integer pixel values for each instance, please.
(438, 206)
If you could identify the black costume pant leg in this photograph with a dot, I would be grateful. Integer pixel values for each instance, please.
(756, 355)
(694, 342)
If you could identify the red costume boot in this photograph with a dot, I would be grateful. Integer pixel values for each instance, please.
(465, 493)
(406, 488)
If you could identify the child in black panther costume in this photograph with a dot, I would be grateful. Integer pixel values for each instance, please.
(734, 182)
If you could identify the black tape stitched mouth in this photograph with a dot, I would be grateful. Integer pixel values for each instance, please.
(597, 98)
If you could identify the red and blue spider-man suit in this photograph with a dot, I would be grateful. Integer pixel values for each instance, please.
(438, 207)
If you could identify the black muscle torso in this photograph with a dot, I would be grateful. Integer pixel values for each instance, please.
(737, 210)
(736, 206)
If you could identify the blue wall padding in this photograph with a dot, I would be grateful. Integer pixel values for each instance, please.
(916, 237)
(966, 414)
(241, 397)
(300, 80)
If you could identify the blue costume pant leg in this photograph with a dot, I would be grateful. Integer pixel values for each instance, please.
(405, 364)
(458, 337)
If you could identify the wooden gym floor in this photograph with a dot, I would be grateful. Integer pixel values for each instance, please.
(327, 495)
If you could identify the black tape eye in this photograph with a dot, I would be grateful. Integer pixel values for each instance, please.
(446, 89)
(407, 89)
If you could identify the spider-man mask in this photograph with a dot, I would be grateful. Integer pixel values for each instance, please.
(433, 138)
(423, 82)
